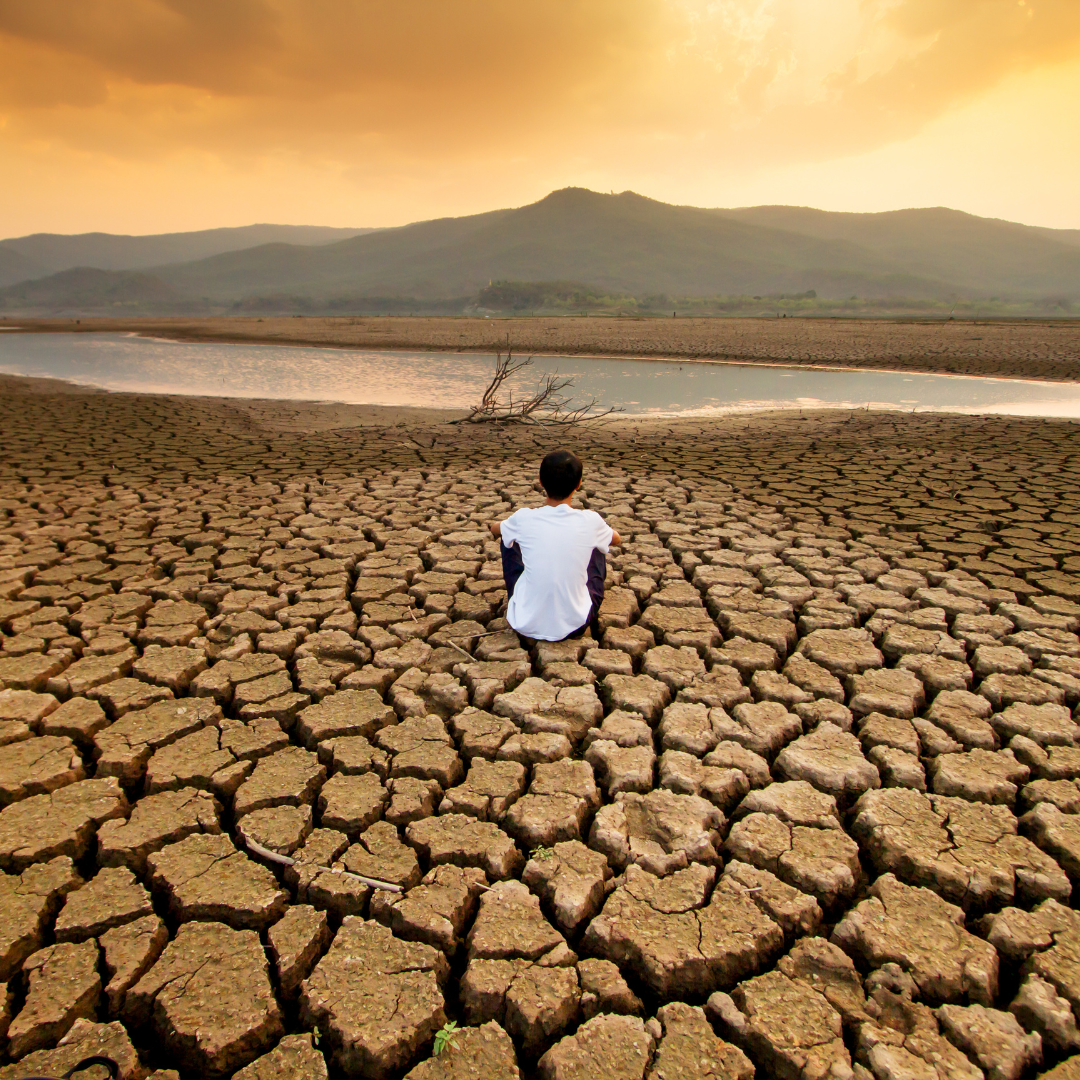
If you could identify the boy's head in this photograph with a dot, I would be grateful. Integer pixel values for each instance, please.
(560, 474)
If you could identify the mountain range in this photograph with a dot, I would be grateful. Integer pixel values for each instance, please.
(617, 245)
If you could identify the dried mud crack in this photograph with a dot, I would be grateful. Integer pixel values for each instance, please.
(809, 809)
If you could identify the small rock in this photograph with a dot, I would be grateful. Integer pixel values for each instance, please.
(661, 831)
(604, 990)
(205, 877)
(38, 766)
(129, 950)
(297, 941)
(464, 841)
(63, 985)
(675, 942)
(290, 777)
(180, 997)
(485, 1051)
(1039, 1008)
(570, 879)
(615, 1047)
(832, 761)
(689, 1047)
(557, 805)
(62, 822)
(294, 1058)
(27, 904)
(927, 937)
(994, 1039)
(437, 910)
(376, 1000)
(157, 820)
(113, 897)
(85, 1039)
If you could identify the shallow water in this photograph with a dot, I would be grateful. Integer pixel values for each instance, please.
(456, 380)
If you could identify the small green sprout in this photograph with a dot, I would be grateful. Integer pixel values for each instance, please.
(444, 1037)
(542, 853)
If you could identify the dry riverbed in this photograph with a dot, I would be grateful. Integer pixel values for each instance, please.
(1029, 349)
(809, 808)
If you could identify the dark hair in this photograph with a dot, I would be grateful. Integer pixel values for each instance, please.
(560, 473)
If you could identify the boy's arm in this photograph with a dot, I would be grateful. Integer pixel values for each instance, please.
(616, 539)
(496, 529)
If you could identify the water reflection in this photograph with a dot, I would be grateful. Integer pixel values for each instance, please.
(455, 380)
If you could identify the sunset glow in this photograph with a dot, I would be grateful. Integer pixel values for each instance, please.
(157, 115)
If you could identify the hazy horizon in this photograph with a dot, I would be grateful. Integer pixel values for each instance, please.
(243, 224)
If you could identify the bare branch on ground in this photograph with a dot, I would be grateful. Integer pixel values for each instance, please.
(546, 406)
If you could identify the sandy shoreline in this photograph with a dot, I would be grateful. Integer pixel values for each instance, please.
(302, 415)
(1045, 350)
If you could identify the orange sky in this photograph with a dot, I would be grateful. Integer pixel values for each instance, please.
(156, 115)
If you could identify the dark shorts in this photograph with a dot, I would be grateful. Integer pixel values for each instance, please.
(513, 568)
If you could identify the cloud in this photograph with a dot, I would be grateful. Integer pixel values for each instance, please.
(388, 68)
(440, 95)
(471, 72)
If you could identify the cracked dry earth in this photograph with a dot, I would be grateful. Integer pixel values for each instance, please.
(809, 809)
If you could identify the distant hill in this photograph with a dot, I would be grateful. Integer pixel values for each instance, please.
(1064, 236)
(620, 243)
(980, 254)
(83, 289)
(52, 252)
(15, 267)
(610, 245)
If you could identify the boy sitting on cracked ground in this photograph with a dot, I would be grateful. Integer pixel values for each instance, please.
(553, 558)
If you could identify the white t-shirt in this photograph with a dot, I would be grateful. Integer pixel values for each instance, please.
(551, 598)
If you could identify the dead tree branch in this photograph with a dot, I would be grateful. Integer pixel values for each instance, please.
(546, 406)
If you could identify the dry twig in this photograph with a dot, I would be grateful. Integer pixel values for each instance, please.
(547, 406)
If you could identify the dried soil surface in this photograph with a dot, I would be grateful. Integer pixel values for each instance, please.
(1029, 350)
(810, 808)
